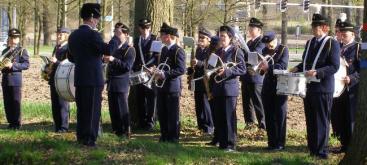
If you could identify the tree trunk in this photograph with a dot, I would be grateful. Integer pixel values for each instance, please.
(35, 32)
(46, 23)
(39, 34)
(158, 11)
(359, 14)
(357, 151)
(10, 14)
(284, 27)
(348, 11)
(330, 17)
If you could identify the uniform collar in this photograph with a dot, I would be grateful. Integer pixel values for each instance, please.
(227, 48)
(255, 38)
(124, 45)
(349, 44)
(321, 38)
(170, 46)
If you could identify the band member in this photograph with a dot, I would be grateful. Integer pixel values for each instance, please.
(225, 92)
(202, 106)
(86, 48)
(275, 106)
(12, 78)
(119, 67)
(115, 42)
(337, 30)
(213, 48)
(252, 81)
(320, 62)
(168, 97)
(145, 58)
(60, 107)
(344, 107)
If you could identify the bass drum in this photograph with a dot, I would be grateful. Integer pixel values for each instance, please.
(64, 80)
(339, 78)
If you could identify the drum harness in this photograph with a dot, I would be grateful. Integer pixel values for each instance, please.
(314, 79)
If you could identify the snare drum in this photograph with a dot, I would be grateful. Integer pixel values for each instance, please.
(64, 80)
(291, 84)
(139, 77)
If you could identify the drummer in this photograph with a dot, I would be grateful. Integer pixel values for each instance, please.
(275, 106)
(60, 107)
(344, 107)
(319, 95)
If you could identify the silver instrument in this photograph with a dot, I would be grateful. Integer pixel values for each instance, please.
(139, 77)
(160, 68)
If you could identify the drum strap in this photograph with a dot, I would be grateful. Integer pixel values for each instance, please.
(357, 52)
(141, 51)
(318, 53)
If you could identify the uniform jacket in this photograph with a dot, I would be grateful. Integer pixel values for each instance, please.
(280, 57)
(60, 53)
(230, 86)
(13, 76)
(201, 55)
(351, 55)
(119, 69)
(86, 48)
(254, 46)
(149, 57)
(176, 60)
(326, 66)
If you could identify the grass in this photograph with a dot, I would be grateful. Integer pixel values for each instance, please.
(36, 143)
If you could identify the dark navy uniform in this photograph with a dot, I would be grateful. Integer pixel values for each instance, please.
(168, 97)
(114, 43)
(145, 96)
(12, 83)
(344, 107)
(252, 84)
(202, 105)
(60, 107)
(225, 94)
(319, 95)
(118, 88)
(275, 106)
(86, 48)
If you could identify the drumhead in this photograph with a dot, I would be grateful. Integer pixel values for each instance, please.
(64, 80)
(339, 86)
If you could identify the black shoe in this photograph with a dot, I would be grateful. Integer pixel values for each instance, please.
(278, 148)
(212, 143)
(320, 156)
(13, 127)
(61, 131)
(89, 143)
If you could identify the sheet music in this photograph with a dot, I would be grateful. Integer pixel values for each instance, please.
(213, 60)
(156, 46)
(253, 58)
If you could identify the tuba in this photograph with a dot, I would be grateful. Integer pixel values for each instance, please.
(46, 68)
(8, 56)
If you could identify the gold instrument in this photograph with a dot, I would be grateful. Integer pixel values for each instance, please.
(153, 79)
(46, 68)
(8, 56)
